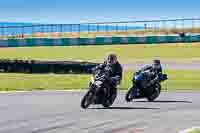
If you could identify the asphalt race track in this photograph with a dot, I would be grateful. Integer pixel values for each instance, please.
(60, 112)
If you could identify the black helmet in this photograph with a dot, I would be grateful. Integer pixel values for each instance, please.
(156, 62)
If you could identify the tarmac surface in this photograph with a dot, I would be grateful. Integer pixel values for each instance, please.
(60, 112)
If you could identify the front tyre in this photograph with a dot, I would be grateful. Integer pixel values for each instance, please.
(87, 100)
(129, 95)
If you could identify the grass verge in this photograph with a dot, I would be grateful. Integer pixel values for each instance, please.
(195, 131)
(178, 80)
(126, 53)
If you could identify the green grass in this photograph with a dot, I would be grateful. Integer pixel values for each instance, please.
(126, 53)
(13, 81)
(178, 80)
(195, 131)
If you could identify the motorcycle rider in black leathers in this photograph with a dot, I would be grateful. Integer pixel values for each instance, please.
(115, 71)
(155, 70)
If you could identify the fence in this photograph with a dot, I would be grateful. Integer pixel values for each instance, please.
(96, 41)
(103, 29)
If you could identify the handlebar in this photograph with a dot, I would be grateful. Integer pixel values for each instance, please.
(101, 75)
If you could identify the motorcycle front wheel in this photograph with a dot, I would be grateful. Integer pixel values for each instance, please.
(87, 100)
(130, 94)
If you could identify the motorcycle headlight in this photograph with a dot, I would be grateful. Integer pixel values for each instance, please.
(98, 83)
(136, 77)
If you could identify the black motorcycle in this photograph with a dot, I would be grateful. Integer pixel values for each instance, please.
(99, 90)
(145, 85)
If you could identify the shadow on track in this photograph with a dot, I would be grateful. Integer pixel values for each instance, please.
(166, 101)
(125, 108)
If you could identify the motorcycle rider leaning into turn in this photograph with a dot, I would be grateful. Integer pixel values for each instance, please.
(115, 71)
(155, 69)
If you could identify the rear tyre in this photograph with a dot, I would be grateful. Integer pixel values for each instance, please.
(155, 94)
(87, 100)
(109, 102)
(114, 96)
(106, 103)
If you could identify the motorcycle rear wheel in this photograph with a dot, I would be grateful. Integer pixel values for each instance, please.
(155, 94)
(109, 102)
